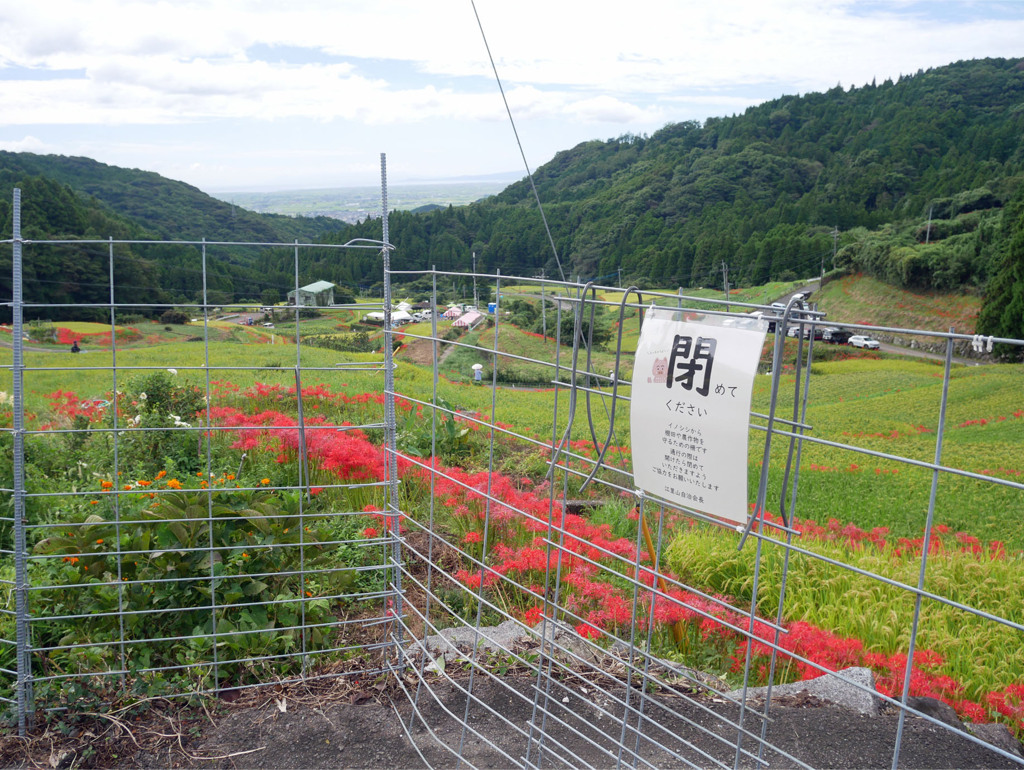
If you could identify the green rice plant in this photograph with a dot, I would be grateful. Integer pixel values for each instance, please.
(984, 656)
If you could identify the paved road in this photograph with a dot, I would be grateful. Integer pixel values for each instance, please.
(918, 353)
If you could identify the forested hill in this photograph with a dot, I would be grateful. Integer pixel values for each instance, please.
(81, 199)
(762, 191)
(168, 209)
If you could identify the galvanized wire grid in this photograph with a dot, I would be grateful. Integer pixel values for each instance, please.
(533, 695)
(524, 695)
(152, 571)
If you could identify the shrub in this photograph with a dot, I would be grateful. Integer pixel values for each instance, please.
(169, 569)
(176, 317)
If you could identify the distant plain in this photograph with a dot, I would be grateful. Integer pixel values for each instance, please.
(353, 204)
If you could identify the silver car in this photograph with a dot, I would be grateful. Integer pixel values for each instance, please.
(863, 341)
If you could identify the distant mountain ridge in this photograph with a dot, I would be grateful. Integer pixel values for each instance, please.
(167, 208)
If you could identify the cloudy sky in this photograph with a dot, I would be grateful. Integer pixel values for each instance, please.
(235, 95)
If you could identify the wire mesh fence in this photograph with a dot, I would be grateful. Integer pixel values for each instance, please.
(160, 536)
(265, 494)
(581, 622)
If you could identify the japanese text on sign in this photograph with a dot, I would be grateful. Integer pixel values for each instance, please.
(692, 384)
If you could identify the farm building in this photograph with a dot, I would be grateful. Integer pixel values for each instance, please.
(318, 294)
(468, 319)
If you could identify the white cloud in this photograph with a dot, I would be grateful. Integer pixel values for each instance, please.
(608, 109)
(26, 144)
(142, 57)
(572, 69)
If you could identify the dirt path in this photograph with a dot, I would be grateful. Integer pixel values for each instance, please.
(336, 724)
(422, 352)
(917, 353)
(33, 349)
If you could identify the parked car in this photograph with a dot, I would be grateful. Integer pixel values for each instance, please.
(836, 336)
(797, 311)
(863, 341)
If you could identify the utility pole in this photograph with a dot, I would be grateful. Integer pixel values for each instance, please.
(835, 243)
(725, 282)
(475, 303)
(543, 308)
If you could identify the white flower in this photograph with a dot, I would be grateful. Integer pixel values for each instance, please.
(142, 397)
(137, 419)
(173, 371)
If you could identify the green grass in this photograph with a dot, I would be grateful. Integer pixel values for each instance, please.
(861, 299)
(892, 407)
(889, 406)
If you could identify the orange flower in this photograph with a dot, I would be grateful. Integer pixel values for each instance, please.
(173, 484)
(127, 486)
(106, 484)
(160, 475)
(144, 483)
(100, 541)
(230, 477)
(264, 482)
(94, 502)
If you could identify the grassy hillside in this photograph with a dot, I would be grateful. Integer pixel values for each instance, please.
(866, 300)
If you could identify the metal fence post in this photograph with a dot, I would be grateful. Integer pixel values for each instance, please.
(940, 431)
(390, 423)
(24, 687)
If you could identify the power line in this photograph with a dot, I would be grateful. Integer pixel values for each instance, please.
(529, 173)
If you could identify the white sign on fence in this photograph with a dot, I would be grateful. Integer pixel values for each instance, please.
(690, 408)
